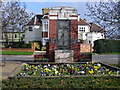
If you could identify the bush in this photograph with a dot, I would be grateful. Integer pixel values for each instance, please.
(106, 46)
(43, 48)
(21, 45)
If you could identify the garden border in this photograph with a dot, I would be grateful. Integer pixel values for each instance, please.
(16, 71)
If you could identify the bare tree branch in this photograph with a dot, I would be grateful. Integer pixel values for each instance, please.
(107, 15)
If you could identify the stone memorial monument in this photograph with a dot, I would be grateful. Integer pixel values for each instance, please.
(63, 26)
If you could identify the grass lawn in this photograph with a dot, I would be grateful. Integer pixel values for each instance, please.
(81, 82)
(16, 53)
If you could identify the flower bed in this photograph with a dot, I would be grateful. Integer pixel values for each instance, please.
(75, 69)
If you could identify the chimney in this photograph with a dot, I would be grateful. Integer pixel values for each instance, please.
(45, 10)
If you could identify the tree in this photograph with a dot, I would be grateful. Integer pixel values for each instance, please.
(107, 15)
(14, 17)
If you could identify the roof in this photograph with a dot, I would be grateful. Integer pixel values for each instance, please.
(37, 21)
(45, 17)
(31, 22)
(82, 22)
(95, 27)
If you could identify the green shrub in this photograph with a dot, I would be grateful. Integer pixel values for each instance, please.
(43, 48)
(106, 46)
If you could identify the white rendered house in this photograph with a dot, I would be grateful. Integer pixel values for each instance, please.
(33, 30)
(89, 32)
(95, 33)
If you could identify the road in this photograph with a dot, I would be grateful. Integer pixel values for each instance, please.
(18, 58)
(107, 58)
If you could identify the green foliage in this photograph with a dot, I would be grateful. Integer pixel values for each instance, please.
(43, 59)
(106, 46)
(37, 46)
(26, 45)
(16, 53)
(43, 48)
(19, 45)
(62, 82)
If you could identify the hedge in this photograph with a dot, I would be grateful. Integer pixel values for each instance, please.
(106, 46)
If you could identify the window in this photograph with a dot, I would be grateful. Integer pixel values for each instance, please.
(15, 35)
(23, 36)
(44, 34)
(82, 29)
(89, 42)
(46, 26)
(30, 29)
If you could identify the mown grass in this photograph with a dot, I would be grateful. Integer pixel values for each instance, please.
(16, 53)
(82, 82)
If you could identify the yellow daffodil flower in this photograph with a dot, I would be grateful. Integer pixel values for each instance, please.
(96, 67)
(93, 62)
(91, 72)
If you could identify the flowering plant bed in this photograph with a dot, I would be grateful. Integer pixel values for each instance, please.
(67, 69)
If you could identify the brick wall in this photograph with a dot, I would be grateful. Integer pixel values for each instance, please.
(20, 49)
(76, 48)
(52, 28)
(74, 35)
(74, 29)
(50, 47)
(50, 51)
(85, 48)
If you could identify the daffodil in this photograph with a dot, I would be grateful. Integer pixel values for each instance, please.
(93, 62)
(91, 71)
(26, 64)
(56, 72)
(96, 67)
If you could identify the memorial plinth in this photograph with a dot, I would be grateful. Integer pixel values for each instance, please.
(64, 56)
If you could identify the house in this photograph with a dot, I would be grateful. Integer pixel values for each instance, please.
(33, 30)
(41, 26)
(95, 33)
(10, 36)
(89, 32)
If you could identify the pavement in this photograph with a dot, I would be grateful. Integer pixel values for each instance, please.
(11, 62)
(6, 68)
(18, 58)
